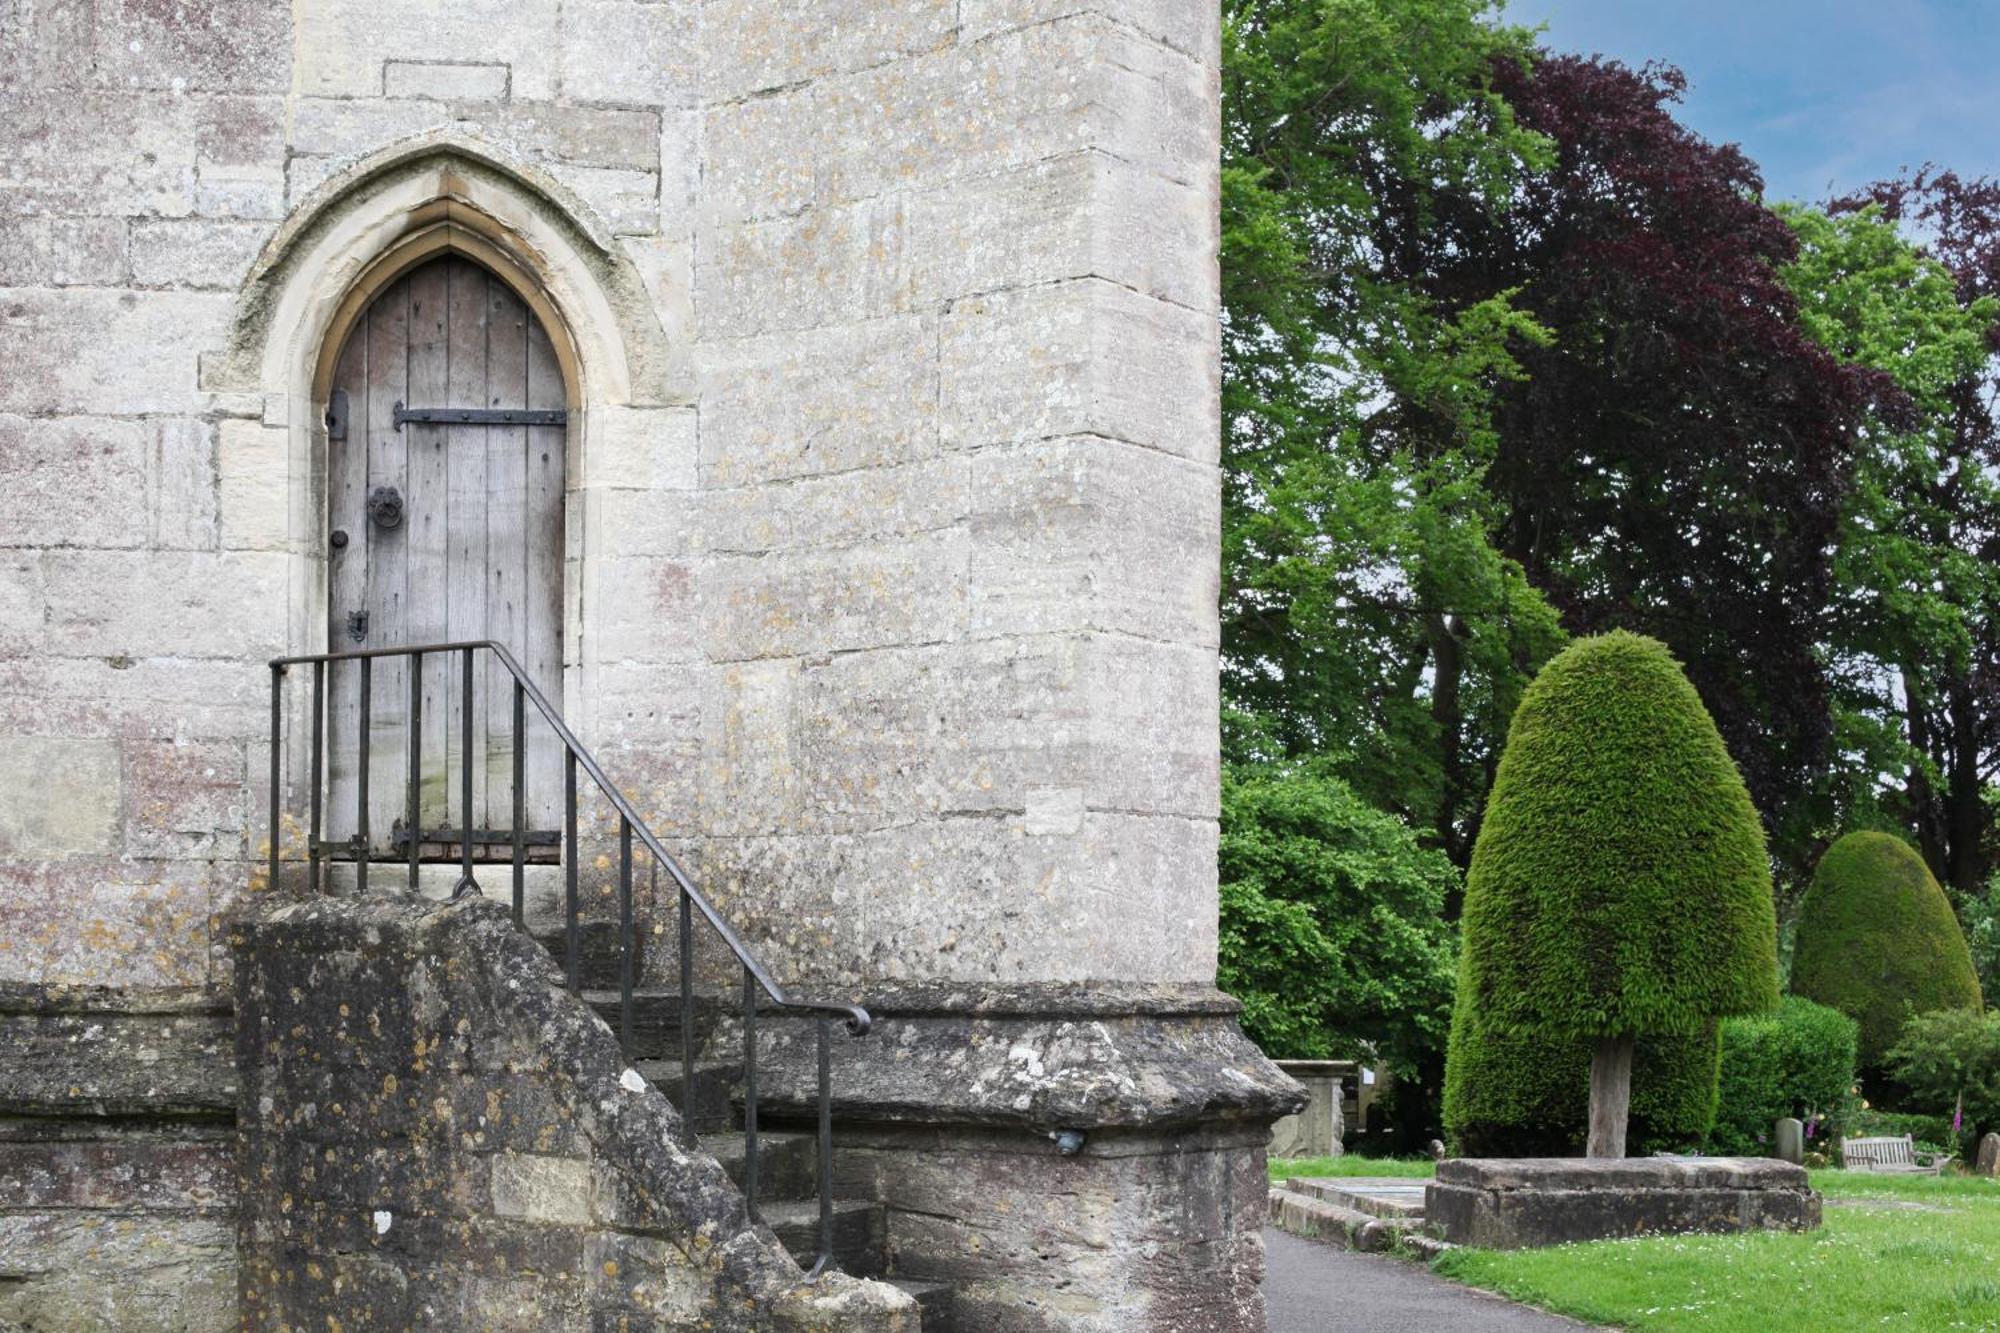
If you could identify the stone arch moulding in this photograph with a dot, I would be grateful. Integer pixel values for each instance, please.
(368, 224)
(361, 230)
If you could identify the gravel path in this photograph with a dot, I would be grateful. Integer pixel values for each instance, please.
(1313, 1288)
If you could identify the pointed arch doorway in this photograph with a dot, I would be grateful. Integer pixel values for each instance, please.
(446, 430)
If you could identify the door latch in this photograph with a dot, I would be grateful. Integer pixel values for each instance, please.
(385, 507)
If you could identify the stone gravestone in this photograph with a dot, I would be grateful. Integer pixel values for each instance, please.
(1315, 1131)
(1987, 1163)
(1789, 1140)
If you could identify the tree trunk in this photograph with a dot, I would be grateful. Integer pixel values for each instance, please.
(1924, 813)
(1610, 1096)
(1965, 819)
(1448, 654)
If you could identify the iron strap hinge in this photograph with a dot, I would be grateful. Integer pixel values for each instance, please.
(481, 416)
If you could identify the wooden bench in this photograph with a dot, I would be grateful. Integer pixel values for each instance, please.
(1890, 1156)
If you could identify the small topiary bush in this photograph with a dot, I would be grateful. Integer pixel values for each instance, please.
(1526, 1096)
(1877, 940)
(1797, 1060)
(1619, 890)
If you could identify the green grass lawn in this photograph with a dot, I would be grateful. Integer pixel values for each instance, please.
(1904, 1254)
(1284, 1168)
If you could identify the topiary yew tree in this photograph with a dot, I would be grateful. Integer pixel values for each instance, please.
(1878, 941)
(1529, 1096)
(1619, 887)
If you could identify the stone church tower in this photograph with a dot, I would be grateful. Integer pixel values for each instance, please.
(818, 404)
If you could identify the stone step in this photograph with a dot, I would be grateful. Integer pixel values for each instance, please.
(656, 1017)
(1387, 1197)
(1311, 1218)
(857, 1233)
(707, 1106)
(787, 1164)
(934, 1299)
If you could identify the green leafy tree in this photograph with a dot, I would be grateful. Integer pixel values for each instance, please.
(1366, 614)
(1877, 940)
(1620, 886)
(1915, 643)
(1949, 1060)
(1332, 927)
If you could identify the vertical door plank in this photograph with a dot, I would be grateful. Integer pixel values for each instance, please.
(466, 562)
(428, 524)
(388, 383)
(543, 590)
(506, 549)
(347, 579)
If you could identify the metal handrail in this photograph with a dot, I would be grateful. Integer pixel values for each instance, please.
(755, 975)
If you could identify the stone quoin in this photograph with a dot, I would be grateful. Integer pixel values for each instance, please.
(854, 499)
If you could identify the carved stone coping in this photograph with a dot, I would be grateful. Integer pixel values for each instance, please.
(1040, 1058)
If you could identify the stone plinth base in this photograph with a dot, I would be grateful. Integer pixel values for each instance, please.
(1071, 1159)
(1511, 1204)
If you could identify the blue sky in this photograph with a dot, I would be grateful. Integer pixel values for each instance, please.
(1825, 96)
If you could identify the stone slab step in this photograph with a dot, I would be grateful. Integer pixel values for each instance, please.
(1378, 1197)
(787, 1164)
(934, 1299)
(656, 1017)
(707, 1107)
(857, 1233)
(1311, 1218)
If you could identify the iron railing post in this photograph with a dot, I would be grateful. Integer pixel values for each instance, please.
(361, 846)
(570, 941)
(750, 1094)
(687, 1015)
(466, 883)
(625, 938)
(825, 1026)
(318, 767)
(520, 802)
(415, 815)
(277, 743)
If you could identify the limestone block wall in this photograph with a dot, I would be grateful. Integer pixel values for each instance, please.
(955, 293)
(893, 514)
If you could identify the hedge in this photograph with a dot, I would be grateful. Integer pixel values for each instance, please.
(1797, 1060)
(1523, 1096)
(1877, 940)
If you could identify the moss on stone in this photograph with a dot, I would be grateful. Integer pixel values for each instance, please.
(1878, 940)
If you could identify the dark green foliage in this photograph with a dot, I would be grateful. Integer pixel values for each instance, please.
(1619, 885)
(1948, 1054)
(1930, 1130)
(1527, 1096)
(1332, 927)
(1877, 940)
(1797, 1060)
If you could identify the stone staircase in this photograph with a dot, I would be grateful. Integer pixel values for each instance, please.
(1372, 1214)
(787, 1194)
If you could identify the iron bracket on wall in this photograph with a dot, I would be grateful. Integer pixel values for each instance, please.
(480, 416)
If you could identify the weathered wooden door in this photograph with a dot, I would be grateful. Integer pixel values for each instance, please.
(440, 532)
